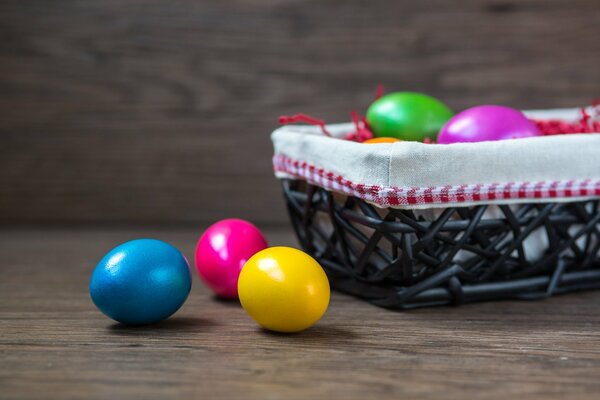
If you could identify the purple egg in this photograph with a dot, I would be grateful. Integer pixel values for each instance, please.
(482, 123)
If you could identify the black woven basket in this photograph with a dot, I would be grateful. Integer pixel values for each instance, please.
(403, 259)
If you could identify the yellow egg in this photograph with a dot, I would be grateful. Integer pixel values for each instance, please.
(283, 289)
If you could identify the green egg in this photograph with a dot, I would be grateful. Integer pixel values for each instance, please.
(407, 116)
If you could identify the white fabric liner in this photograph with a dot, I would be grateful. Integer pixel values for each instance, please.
(414, 164)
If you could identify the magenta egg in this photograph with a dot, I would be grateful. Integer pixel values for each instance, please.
(482, 123)
(223, 250)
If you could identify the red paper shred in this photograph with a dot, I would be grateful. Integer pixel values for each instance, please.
(362, 131)
(285, 120)
(586, 124)
(361, 127)
(379, 92)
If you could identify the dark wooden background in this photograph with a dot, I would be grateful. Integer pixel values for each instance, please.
(160, 111)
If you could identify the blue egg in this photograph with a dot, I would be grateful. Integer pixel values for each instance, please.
(141, 282)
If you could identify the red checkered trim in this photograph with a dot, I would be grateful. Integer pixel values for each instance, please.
(386, 196)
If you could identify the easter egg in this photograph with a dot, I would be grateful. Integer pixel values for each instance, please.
(141, 282)
(284, 289)
(223, 250)
(407, 116)
(482, 123)
(381, 140)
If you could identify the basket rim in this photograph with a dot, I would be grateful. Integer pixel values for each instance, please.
(414, 175)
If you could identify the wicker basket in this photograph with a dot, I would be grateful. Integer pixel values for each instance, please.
(405, 255)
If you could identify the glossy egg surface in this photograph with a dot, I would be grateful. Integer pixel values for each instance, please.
(141, 282)
(284, 289)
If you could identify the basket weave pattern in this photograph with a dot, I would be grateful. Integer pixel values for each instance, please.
(402, 259)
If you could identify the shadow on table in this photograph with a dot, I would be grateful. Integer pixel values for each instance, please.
(324, 334)
(227, 302)
(182, 324)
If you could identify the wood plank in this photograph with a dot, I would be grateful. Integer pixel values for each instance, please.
(160, 111)
(55, 344)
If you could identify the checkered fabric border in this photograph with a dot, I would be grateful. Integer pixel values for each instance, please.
(393, 196)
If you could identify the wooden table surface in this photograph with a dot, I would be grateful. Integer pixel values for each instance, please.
(55, 344)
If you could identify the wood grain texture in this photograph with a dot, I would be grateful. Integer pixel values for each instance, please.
(55, 344)
(160, 111)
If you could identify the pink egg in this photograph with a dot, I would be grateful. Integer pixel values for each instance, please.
(223, 250)
(482, 123)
